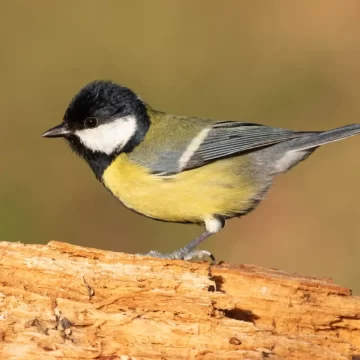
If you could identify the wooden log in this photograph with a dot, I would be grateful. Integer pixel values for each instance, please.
(60, 301)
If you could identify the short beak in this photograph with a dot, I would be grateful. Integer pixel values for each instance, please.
(57, 131)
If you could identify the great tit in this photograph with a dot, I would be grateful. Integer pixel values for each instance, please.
(177, 168)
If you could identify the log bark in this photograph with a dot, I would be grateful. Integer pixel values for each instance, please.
(60, 301)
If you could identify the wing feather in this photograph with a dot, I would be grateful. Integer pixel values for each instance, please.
(230, 138)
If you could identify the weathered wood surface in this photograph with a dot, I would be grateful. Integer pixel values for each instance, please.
(60, 301)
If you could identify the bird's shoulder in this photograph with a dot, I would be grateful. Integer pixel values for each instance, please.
(167, 139)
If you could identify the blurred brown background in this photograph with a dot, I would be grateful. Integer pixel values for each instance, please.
(287, 64)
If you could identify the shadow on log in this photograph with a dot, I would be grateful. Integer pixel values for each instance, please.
(60, 301)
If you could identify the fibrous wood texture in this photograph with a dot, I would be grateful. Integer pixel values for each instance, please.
(59, 301)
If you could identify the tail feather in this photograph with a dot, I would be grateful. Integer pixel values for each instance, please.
(291, 152)
(321, 138)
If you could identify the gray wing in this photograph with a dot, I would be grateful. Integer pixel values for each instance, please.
(210, 142)
(229, 138)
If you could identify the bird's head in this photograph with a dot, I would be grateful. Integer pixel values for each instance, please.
(103, 117)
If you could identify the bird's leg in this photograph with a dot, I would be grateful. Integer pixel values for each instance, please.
(188, 252)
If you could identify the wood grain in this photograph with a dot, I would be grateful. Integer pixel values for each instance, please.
(60, 301)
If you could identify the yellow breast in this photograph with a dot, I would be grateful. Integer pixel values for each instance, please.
(219, 188)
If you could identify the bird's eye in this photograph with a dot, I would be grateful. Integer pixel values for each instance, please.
(90, 122)
(120, 109)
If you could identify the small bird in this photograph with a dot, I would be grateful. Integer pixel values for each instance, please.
(177, 168)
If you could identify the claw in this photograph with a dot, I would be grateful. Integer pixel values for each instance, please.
(187, 252)
(199, 254)
(181, 254)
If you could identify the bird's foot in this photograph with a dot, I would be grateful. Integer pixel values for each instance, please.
(182, 254)
(188, 252)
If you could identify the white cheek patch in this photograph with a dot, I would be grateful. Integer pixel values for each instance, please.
(109, 137)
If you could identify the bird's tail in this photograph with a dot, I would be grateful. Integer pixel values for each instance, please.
(316, 139)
